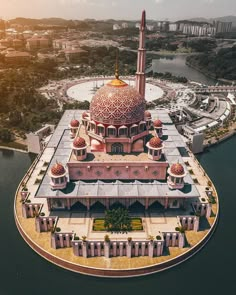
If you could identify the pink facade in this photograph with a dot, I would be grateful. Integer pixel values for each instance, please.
(117, 170)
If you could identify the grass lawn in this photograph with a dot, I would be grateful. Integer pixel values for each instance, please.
(98, 224)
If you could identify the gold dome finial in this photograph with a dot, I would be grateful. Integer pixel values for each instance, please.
(117, 82)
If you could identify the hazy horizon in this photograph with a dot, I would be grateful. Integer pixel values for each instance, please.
(117, 9)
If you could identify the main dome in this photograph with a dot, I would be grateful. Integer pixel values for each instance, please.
(117, 103)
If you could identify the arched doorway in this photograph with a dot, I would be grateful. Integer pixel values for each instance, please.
(117, 148)
(136, 207)
(117, 205)
(97, 207)
(79, 207)
(156, 206)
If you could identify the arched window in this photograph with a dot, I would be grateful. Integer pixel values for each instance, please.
(133, 130)
(117, 148)
(123, 131)
(142, 126)
(111, 131)
(92, 126)
(100, 129)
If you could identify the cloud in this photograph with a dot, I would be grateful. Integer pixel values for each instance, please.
(159, 1)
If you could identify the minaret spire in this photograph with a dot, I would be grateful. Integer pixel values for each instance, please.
(117, 65)
(141, 61)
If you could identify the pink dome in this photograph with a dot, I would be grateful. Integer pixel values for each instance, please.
(74, 123)
(148, 114)
(79, 142)
(177, 169)
(85, 115)
(155, 142)
(58, 169)
(117, 103)
(157, 123)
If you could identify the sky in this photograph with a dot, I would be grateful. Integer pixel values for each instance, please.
(117, 9)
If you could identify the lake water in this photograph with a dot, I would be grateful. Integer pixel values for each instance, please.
(176, 66)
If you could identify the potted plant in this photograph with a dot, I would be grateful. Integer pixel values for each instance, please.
(129, 239)
(151, 238)
(106, 238)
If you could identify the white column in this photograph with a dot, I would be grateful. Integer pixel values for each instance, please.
(121, 246)
(208, 211)
(181, 240)
(107, 249)
(173, 239)
(61, 241)
(196, 223)
(114, 245)
(76, 249)
(189, 223)
(168, 239)
(84, 249)
(136, 249)
(99, 248)
(150, 249)
(129, 249)
(143, 249)
(45, 226)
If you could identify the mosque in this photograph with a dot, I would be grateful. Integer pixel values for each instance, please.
(118, 145)
(116, 154)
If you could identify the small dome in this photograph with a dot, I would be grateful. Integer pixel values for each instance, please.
(79, 142)
(74, 123)
(157, 123)
(155, 142)
(148, 114)
(177, 169)
(85, 115)
(58, 169)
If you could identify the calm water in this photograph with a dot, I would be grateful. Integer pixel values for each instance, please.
(209, 272)
(176, 66)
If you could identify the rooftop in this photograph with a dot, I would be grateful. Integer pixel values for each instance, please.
(175, 149)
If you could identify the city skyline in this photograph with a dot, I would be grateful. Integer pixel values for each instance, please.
(104, 9)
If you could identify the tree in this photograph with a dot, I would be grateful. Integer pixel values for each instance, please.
(117, 220)
(5, 135)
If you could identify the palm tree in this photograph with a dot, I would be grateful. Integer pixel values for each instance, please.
(117, 220)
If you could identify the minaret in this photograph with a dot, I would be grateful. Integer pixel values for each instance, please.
(141, 62)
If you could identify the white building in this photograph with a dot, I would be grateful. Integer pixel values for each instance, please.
(37, 140)
(173, 27)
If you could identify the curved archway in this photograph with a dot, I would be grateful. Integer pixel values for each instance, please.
(117, 148)
(78, 206)
(136, 207)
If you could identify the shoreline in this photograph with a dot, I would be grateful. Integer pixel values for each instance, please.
(2, 147)
(208, 75)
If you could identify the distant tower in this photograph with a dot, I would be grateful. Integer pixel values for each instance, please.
(141, 61)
